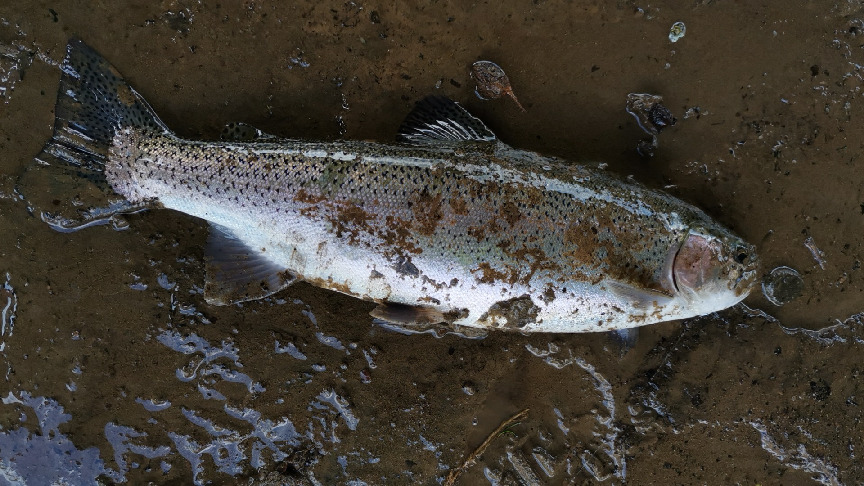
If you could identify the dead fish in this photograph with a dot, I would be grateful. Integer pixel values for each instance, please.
(449, 225)
(492, 82)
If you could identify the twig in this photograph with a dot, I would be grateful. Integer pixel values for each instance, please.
(472, 458)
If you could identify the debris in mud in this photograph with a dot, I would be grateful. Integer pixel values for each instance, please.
(179, 21)
(652, 118)
(818, 254)
(545, 460)
(820, 390)
(693, 112)
(782, 285)
(677, 32)
(492, 82)
(472, 458)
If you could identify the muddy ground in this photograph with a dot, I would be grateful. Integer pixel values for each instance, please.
(114, 368)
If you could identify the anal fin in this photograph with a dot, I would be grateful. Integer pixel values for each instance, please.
(236, 273)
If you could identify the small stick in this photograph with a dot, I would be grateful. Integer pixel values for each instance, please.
(472, 458)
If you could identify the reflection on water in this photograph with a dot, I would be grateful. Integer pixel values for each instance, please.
(239, 438)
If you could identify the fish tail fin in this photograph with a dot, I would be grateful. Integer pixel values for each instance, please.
(93, 103)
(66, 185)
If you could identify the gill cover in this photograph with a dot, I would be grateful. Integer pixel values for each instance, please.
(697, 262)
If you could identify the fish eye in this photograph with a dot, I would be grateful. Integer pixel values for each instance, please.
(741, 257)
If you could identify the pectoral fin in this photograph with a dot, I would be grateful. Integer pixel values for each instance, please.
(644, 299)
(237, 273)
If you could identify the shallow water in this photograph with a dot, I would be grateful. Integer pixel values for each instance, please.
(113, 366)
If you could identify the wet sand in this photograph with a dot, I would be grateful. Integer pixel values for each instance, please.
(114, 367)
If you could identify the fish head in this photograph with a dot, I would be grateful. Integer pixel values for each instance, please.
(713, 269)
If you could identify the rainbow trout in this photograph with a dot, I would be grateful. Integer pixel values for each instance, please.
(446, 226)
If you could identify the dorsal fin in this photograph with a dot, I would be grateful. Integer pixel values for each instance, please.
(436, 119)
(237, 273)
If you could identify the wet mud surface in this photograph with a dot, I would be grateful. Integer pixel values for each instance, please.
(112, 366)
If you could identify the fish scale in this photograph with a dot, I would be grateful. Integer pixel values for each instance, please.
(448, 226)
